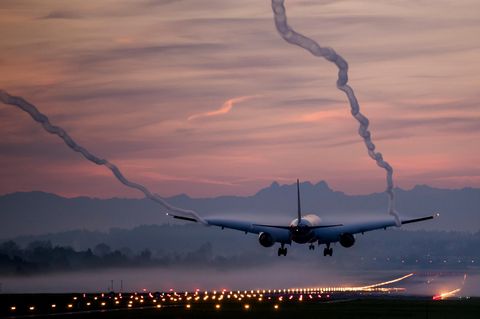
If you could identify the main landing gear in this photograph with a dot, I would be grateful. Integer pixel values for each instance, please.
(311, 247)
(328, 251)
(282, 250)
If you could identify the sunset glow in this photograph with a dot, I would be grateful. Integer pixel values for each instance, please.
(205, 99)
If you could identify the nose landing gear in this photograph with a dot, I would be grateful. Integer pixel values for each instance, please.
(282, 251)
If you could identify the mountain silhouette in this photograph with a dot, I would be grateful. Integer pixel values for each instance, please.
(31, 213)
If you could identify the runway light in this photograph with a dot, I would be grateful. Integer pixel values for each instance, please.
(129, 305)
(54, 306)
(103, 304)
(188, 306)
(69, 305)
(217, 306)
(32, 308)
(13, 308)
(247, 307)
(159, 306)
(88, 304)
(275, 307)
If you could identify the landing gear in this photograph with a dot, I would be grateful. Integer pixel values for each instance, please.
(282, 251)
(311, 247)
(328, 251)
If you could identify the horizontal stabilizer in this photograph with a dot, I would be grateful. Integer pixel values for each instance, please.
(307, 227)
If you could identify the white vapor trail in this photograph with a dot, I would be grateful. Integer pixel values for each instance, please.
(292, 37)
(60, 132)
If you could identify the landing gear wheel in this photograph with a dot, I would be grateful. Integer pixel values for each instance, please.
(282, 251)
(328, 251)
(311, 247)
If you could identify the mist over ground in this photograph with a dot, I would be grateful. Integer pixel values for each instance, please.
(290, 274)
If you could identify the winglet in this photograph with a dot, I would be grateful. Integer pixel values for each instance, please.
(299, 212)
(421, 219)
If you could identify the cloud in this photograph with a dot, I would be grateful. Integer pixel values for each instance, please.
(322, 116)
(61, 14)
(224, 109)
(117, 55)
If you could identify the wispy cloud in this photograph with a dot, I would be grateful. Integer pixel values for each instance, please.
(61, 14)
(224, 109)
(321, 116)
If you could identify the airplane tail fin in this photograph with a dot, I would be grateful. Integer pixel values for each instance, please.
(299, 212)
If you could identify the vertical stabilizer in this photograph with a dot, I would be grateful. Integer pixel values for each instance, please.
(299, 212)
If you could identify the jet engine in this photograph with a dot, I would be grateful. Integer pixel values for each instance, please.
(266, 240)
(347, 240)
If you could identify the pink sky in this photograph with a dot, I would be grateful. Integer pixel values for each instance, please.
(204, 97)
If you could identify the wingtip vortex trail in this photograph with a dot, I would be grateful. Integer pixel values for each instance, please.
(295, 38)
(42, 119)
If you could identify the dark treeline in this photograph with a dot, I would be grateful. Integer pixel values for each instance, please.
(182, 246)
(43, 257)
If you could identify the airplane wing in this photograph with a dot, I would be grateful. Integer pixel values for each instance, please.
(279, 233)
(332, 234)
(352, 228)
(245, 226)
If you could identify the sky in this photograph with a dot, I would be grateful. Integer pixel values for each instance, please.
(205, 98)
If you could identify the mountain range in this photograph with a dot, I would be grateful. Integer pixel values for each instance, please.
(34, 213)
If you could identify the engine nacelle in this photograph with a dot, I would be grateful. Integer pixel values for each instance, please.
(347, 240)
(266, 240)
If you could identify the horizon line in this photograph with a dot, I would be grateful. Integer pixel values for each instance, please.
(236, 195)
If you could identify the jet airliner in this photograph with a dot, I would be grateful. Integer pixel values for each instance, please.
(305, 229)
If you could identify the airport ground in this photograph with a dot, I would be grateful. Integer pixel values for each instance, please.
(336, 306)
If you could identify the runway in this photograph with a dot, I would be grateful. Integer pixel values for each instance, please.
(218, 303)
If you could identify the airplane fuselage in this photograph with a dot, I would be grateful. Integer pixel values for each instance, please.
(302, 232)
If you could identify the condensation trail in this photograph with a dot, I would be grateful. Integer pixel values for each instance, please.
(292, 37)
(60, 132)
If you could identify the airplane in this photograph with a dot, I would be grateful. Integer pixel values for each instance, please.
(305, 229)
